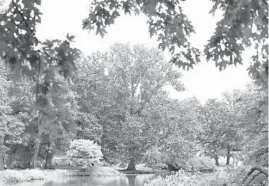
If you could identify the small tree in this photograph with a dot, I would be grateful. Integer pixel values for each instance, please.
(84, 153)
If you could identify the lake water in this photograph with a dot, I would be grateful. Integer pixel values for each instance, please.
(127, 180)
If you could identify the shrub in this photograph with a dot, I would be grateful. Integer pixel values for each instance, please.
(179, 179)
(84, 153)
(203, 164)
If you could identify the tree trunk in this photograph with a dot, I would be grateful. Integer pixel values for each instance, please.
(46, 160)
(37, 146)
(47, 154)
(37, 142)
(216, 158)
(2, 154)
(228, 156)
(49, 157)
(131, 165)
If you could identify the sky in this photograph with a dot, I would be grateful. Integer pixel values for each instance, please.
(204, 81)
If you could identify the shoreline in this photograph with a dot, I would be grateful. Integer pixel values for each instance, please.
(10, 176)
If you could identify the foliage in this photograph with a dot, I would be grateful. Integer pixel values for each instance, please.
(88, 127)
(42, 63)
(213, 124)
(255, 127)
(173, 125)
(201, 164)
(19, 42)
(84, 153)
(19, 122)
(115, 88)
(243, 23)
(228, 176)
(222, 121)
(166, 20)
(118, 98)
(180, 178)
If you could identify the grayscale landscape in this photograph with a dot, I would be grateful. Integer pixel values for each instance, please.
(134, 93)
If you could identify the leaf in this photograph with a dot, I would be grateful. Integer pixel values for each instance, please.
(70, 38)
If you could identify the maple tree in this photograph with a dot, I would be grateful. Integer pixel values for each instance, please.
(243, 23)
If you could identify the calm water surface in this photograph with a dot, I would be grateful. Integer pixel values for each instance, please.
(127, 180)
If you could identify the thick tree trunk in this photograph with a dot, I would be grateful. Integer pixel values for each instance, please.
(131, 165)
(216, 158)
(228, 157)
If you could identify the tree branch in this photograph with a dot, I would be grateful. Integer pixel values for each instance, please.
(261, 170)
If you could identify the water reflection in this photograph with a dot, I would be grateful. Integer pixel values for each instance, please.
(128, 180)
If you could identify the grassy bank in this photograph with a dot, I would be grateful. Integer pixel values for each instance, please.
(7, 176)
(11, 176)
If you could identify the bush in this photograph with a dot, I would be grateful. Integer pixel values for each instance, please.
(84, 153)
(179, 179)
(202, 164)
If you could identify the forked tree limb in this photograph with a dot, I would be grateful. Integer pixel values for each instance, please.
(261, 170)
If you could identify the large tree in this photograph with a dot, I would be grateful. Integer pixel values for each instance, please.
(173, 126)
(214, 122)
(123, 82)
